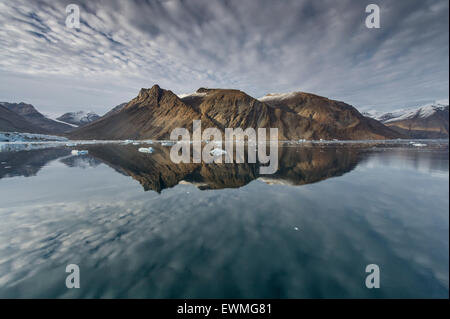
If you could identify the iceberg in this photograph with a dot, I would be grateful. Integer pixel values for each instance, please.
(78, 152)
(146, 149)
(217, 152)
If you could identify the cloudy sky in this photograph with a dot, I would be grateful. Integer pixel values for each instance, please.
(258, 46)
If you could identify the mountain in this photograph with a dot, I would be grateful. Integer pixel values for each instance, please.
(340, 120)
(427, 121)
(155, 112)
(31, 115)
(79, 118)
(12, 122)
(234, 108)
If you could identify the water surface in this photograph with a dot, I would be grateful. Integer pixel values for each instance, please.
(140, 226)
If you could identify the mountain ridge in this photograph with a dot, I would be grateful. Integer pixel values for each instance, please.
(13, 122)
(155, 112)
(41, 123)
(427, 121)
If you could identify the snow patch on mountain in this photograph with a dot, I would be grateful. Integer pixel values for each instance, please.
(56, 120)
(191, 94)
(277, 96)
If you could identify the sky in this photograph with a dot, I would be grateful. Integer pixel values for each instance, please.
(257, 46)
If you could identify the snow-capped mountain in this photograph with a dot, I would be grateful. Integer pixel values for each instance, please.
(79, 118)
(423, 111)
(429, 120)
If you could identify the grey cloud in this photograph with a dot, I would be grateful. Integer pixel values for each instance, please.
(259, 46)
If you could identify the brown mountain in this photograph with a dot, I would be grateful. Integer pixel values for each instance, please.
(12, 122)
(33, 116)
(234, 108)
(341, 121)
(155, 112)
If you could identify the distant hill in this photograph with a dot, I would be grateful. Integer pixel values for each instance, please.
(39, 121)
(155, 112)
(13, 122)
(426, 121)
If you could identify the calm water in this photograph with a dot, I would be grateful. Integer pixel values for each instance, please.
(140, 226)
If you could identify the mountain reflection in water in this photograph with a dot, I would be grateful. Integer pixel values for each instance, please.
(156, 171)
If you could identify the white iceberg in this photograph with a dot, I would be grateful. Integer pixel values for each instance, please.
(217, 152)
(79, 152)
(419, 144)
(146, 149)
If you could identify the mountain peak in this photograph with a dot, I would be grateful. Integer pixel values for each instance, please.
(204, 90)
(155, 91)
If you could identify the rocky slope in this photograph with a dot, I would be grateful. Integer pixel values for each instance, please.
(427, 121)
(155, 112)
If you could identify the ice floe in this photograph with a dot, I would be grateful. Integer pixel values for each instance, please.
(79, 152)
(146, 149)
(217, 152)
